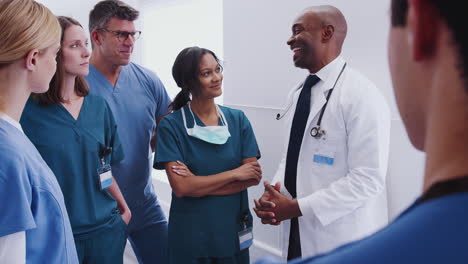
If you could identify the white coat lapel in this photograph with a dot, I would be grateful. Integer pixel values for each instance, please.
(328, 76)
(316, 104)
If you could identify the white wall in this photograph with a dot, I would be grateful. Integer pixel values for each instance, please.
(169, 27)
(79, 10)
(260, 72)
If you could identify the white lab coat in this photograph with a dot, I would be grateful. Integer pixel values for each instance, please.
(347, 200)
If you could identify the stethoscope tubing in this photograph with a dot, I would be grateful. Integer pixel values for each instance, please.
(319, 132)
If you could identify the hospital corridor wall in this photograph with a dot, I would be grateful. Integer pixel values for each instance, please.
(259, 73)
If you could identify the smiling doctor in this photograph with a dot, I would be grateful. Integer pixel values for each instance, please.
(330, 184)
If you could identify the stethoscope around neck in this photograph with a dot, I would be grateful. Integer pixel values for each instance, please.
(316, 131)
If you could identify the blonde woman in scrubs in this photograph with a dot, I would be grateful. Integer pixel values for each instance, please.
(34, 225)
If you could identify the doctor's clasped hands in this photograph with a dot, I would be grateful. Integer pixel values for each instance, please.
(274, 207)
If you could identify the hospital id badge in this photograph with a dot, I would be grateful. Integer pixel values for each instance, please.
(245, 238)
(105, 176)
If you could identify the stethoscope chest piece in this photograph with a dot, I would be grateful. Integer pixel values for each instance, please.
(316, 132)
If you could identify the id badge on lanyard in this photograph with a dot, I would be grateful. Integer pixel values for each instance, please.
(104, 171)
(245, 235)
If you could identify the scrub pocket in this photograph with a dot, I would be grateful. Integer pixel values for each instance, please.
(119, 222)
(121, 219)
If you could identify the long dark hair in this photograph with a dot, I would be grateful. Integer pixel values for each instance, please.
(186, 70)
(53, 95)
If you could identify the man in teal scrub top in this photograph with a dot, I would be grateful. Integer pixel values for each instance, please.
(428, 52)
(137, 99)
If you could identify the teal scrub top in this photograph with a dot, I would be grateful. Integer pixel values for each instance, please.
(137, 100)
(205, 226)
(71, 149)
(31, 201)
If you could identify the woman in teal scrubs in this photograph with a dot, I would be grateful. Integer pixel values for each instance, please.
(210, 155)
(76, 135)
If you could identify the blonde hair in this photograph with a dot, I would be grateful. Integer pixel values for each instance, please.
(25, 25)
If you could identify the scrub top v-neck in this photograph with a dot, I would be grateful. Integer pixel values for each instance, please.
(71, 149)
(32, 201)
(205, 226)
(137, 99)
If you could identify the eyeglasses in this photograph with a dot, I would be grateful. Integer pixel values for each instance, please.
(123, 35)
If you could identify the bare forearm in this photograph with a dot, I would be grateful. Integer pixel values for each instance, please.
(197, 186)
(185, 183)
(114, 190)
(234, 187)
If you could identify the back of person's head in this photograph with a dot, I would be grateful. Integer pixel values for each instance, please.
(53, 95)
(453, 14)
(25, 25)
(103, 11)
(186, 72)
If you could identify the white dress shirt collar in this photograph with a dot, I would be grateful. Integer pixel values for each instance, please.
(330, 72)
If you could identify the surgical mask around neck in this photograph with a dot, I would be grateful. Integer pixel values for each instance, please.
(212, 134)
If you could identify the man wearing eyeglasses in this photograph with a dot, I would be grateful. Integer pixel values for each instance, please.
(137, 99)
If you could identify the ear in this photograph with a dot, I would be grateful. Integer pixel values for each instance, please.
(327, 32)
(30, 61)
(96, 37)
(423, 27)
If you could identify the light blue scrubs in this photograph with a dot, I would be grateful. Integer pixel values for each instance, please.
(31, 201)
(204, 229)
(136, 101)
(433, 232)
(71, 148)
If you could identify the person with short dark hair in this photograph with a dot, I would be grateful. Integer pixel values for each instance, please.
(138, 99)
(105, 11)
(72, 129)
(210, 155)
(428, 57)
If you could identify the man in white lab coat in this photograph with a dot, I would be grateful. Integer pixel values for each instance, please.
(330, 185)
(428, 58)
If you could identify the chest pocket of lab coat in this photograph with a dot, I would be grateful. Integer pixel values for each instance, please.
(328, 152)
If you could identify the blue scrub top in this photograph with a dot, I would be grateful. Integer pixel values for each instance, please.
(31, 201)
(205, 226)
(137, 100)
(433, 232)
(71, 149)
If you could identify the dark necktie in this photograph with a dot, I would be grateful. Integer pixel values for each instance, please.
(295, 140)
